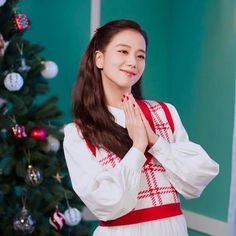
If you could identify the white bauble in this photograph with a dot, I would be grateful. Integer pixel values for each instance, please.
(72, 216)
(13, 81)
(2, 2)
(50, 69)
(52, 144)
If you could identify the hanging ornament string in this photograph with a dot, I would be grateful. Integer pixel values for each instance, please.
(72, 215)
(67, 202)
(27, 155)
(23, 200)
(23, 67)
(20, 48)
(12, 118)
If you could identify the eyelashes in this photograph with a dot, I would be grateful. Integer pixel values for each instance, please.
(125, 52)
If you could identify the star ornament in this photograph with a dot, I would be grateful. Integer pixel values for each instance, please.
(58, 177)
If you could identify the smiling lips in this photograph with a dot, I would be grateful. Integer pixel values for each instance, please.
(129, 73)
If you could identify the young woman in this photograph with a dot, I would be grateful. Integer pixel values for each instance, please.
(129, 159)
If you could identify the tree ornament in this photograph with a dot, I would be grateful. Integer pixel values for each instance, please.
(20, 21)
(58, 177)
(13, 81)
(24, 223)
(19, 131)
(2, 2)
(72, 216)
(57, 219)
(23, 67)
(50, 69)
(38, 133)
(52, 144)
(33, 176)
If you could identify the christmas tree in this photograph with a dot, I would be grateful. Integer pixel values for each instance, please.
(35, 190)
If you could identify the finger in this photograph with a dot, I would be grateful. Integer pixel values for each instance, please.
(135, 107)
(126, 110)
(144, 119)
(130, 107)
(126, 104)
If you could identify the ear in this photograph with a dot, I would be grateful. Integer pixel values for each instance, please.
(99, 59)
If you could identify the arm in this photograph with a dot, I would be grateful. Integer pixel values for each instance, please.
(188, 167)
(109, 194)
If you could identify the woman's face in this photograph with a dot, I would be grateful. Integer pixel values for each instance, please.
(123, 61)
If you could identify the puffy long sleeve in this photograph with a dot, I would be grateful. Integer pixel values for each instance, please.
(188, 167)
(109, 194)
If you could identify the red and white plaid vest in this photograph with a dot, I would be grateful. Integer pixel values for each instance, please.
(157, 198)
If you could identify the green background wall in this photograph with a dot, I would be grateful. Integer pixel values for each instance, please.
(202, 87)
(190, 63)
(63, 29)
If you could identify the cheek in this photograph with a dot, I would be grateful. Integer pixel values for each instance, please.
(142, 67)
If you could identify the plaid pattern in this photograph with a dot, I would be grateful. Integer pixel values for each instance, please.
(155, 188)
(110, 160)
(161, 124)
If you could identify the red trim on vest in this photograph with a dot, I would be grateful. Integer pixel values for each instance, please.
(91, 147)
(143, 106)
(168, 116)
(144, 215)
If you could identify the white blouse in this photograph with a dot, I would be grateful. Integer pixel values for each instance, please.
(111, 193)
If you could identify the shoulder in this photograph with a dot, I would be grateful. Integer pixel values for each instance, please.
(71, 130)
(68, 128)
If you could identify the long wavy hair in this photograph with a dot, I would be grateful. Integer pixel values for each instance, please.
(89, 110)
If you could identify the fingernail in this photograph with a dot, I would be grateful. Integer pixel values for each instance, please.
(127, 97)
(122, 100)
(123, 96)
(133, 105)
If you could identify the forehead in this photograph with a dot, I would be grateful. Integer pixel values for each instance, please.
(130, 38)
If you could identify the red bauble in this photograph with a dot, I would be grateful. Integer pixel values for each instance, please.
(38, 133)
(57, 219)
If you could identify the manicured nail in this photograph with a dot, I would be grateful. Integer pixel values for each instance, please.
(123, 96)
(127, 98)
(134, 105)
(122, 100)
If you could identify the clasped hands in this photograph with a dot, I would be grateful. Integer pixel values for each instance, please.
(137, 125)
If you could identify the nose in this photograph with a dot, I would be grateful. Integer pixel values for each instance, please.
(132, 61)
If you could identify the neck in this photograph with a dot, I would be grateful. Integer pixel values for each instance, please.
(114, 98)
(114, 94)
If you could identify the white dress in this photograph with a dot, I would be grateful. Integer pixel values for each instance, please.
(112, 192)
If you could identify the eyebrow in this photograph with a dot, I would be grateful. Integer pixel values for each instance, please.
(125, 45)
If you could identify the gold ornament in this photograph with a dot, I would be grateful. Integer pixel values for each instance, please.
(58, 177)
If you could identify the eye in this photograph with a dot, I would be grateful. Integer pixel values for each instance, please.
(141, 57)
(125, 52)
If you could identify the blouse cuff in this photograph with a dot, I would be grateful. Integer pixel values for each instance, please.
(134, 159)
(160, 147)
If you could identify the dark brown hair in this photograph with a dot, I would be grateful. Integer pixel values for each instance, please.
(89, 110)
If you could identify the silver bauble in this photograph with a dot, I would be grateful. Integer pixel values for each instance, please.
(13, 81)
(72, 216)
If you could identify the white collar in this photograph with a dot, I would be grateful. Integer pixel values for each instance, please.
(118, 114)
